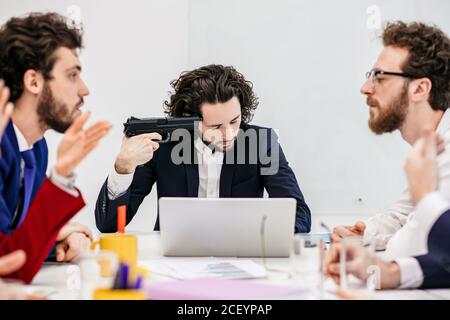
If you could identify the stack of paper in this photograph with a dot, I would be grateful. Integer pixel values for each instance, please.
(203, 268)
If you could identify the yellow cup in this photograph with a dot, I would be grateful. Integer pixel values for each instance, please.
(124, 245)
(108, 294)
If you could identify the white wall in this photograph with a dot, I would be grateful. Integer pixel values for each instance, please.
(307, 60)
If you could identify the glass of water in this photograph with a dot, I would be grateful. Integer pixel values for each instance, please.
(308, 260)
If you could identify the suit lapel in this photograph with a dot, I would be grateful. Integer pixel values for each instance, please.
(229, 169)
(14, 169)
(192, 173)
(192, 180)
(11, 136)
(226, 179)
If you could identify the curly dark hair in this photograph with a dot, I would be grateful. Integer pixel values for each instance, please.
(212, 84)
(30, 43)
(429, 56)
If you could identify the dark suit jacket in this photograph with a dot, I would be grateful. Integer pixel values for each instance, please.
(10, 175)
(436, 263)
(240, 180)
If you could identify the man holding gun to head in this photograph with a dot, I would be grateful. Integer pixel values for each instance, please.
(224, 101)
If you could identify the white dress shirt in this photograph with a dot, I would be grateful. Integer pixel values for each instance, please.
(393, 230)
(427, 212)
(209, 169)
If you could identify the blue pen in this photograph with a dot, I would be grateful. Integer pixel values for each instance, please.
(138, 283)
(117, 280)
(124, 272)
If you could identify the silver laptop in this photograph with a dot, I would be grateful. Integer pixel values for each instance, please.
(227, 227)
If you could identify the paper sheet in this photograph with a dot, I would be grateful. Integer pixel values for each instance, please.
(203, 268)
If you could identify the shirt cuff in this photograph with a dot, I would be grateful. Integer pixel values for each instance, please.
(373, 238)
(411, 275)
(430, 208)
(66, 184)
(118, 184)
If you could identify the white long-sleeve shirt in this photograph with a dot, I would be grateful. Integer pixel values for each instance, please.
(427, 212)
(393, 230)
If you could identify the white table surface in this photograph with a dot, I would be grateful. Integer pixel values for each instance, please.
(62, 281)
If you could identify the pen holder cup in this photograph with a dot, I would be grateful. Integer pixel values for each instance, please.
(124, 245)
(109, 294)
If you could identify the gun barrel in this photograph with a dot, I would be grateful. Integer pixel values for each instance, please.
(164, 126)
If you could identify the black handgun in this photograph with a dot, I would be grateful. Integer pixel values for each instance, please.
(163, 126)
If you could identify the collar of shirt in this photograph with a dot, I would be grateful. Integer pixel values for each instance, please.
(444, 124)
(21, 141)
(205, 153)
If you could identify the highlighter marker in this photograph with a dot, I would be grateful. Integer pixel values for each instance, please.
(121, 218)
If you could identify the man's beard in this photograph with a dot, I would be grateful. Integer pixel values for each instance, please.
(391, 118)
(54, 114)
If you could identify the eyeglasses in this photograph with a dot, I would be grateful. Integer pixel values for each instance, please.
(374, 75)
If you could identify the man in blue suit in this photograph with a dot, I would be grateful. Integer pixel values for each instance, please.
(227, 157)
(12, 210)
(431, 270)
(39, 63)
(6, 108)
(23, 251)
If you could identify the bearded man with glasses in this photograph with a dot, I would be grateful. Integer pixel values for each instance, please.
(408, 89)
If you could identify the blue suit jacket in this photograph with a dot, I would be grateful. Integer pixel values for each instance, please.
(240, 180)
(10, 175)
(436, 263)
